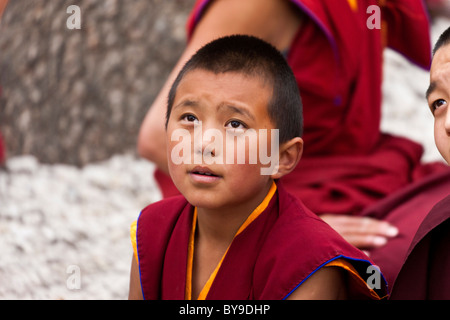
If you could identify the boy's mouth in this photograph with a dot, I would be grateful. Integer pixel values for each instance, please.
(203, 175)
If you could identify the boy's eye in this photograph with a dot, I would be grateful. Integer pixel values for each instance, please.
(236, 124)
(189, 118)
(438, 103)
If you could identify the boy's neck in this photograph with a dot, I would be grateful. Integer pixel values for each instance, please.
(221, 225)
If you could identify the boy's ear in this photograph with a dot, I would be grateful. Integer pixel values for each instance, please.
(290, 154)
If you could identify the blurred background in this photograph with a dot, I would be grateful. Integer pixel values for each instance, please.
(71, 105)
(79, 96)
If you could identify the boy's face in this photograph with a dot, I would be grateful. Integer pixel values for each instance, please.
(439, 99)
(210, 113)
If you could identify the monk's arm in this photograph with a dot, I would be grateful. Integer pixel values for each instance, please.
(328, 283)
(3, 4)
(135, 292)
(272, 20)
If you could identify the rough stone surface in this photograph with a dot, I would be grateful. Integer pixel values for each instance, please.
(58, 222)
(77, 96)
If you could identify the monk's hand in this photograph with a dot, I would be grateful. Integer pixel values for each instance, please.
(362, 232)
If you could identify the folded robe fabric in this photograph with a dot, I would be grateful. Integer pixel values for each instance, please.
(407, 209)
(425, 273)
(269, 259)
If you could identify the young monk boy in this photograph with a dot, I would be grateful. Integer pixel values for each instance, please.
(236, 233)
(425, 273)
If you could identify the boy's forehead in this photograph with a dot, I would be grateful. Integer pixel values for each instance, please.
(225, 91)
(440, 71)
(441, 62)
(232, 76)
(234, 82)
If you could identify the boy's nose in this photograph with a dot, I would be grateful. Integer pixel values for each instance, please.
(210, 143)
(205, 148)
(205, 141)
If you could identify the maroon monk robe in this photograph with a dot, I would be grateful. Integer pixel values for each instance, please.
(269, 259)
(426, 271)
(406, 210)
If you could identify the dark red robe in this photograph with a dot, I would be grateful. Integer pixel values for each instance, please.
(269, 259)
(425, 273)
(406, 209)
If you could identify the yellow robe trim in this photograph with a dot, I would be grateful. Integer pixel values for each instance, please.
(133, 229)
(353, 4)
(250, 219)
(355, 280)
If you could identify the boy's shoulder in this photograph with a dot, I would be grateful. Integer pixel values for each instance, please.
(443, 206)
(163, 212)
(297, 225)
(439, 214)
(299, 243)
(294, 214)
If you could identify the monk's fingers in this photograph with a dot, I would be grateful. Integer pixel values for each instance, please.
(365, 241)
(362, 232)
(363, 226)
(366, 225)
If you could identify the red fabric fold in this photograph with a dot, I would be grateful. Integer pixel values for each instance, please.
(269, 259)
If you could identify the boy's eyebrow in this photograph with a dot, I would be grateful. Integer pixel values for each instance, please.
(430, 89)
(186, 103)
(235, 109)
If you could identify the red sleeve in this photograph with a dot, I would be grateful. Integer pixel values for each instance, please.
(195, 15)
(408, 30)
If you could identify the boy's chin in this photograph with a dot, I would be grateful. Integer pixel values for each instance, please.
(204, 200)
(205, 205)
